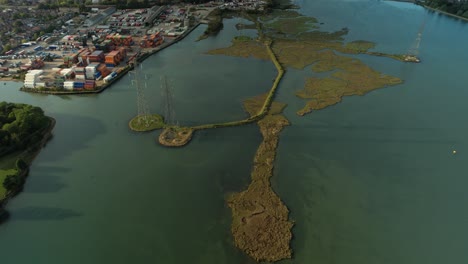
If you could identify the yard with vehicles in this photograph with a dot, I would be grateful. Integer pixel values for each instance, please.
(97, 47)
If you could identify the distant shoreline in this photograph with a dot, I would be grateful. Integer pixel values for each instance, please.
(407, 1)
(430, 8)
(445, 13)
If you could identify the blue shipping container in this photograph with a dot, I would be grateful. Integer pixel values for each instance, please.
(78, 84)
(110, 65)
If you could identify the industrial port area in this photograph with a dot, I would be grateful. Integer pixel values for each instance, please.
(93, 50)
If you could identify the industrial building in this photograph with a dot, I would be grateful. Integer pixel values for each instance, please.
(99, 17)
(155, 11)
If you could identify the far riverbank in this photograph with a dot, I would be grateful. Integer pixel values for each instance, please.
(445, 13)
(407, 1)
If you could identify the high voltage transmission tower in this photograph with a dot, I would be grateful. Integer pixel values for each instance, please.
(140, 86)
(414, 50)
(167, 96)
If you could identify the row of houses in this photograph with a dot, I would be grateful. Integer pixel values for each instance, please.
(244, 4)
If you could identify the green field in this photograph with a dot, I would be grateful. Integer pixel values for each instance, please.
(146, 123)
(9, 161)
(3, 175)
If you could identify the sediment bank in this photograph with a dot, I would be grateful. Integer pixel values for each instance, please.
(260, 224)
(175, 137)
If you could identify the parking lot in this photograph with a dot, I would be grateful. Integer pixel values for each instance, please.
(26, 55)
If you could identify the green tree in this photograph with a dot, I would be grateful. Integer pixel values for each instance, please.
(465, 14)
(132, 3)
(12, 182)
(4, 139)
(6, 48)
(20, 127)
(21, 164)
(12, 128)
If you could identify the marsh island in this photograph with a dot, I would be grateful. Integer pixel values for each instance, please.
(260, 220)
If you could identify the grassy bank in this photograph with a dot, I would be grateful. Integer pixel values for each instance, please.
(15, 166)
(146, 123)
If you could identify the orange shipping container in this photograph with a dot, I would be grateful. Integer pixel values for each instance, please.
(123, 52)
(101, 67)
(105, 73)
(111, 61)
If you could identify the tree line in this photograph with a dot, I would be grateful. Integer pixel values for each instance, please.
(459, 8)
(121, 4)
(15, 181)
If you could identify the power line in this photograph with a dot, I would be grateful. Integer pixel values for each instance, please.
(414, 50)
(143, 111)
(168, 106)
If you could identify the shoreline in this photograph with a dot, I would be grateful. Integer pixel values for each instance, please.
(416, 2)
(9, 79)
(404, 1)
(24, 173)
(444, 13)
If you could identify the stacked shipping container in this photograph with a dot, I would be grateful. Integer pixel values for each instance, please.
(68, 73)
(68, 85)
(69, 60)
(112, 58)
(80, 73)
(78, 85)
(89, 85)
(103, 70)
(31, 78)
(153, 40)
(96, 56)
(91, 70)
(110, 77)
(120, 40)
